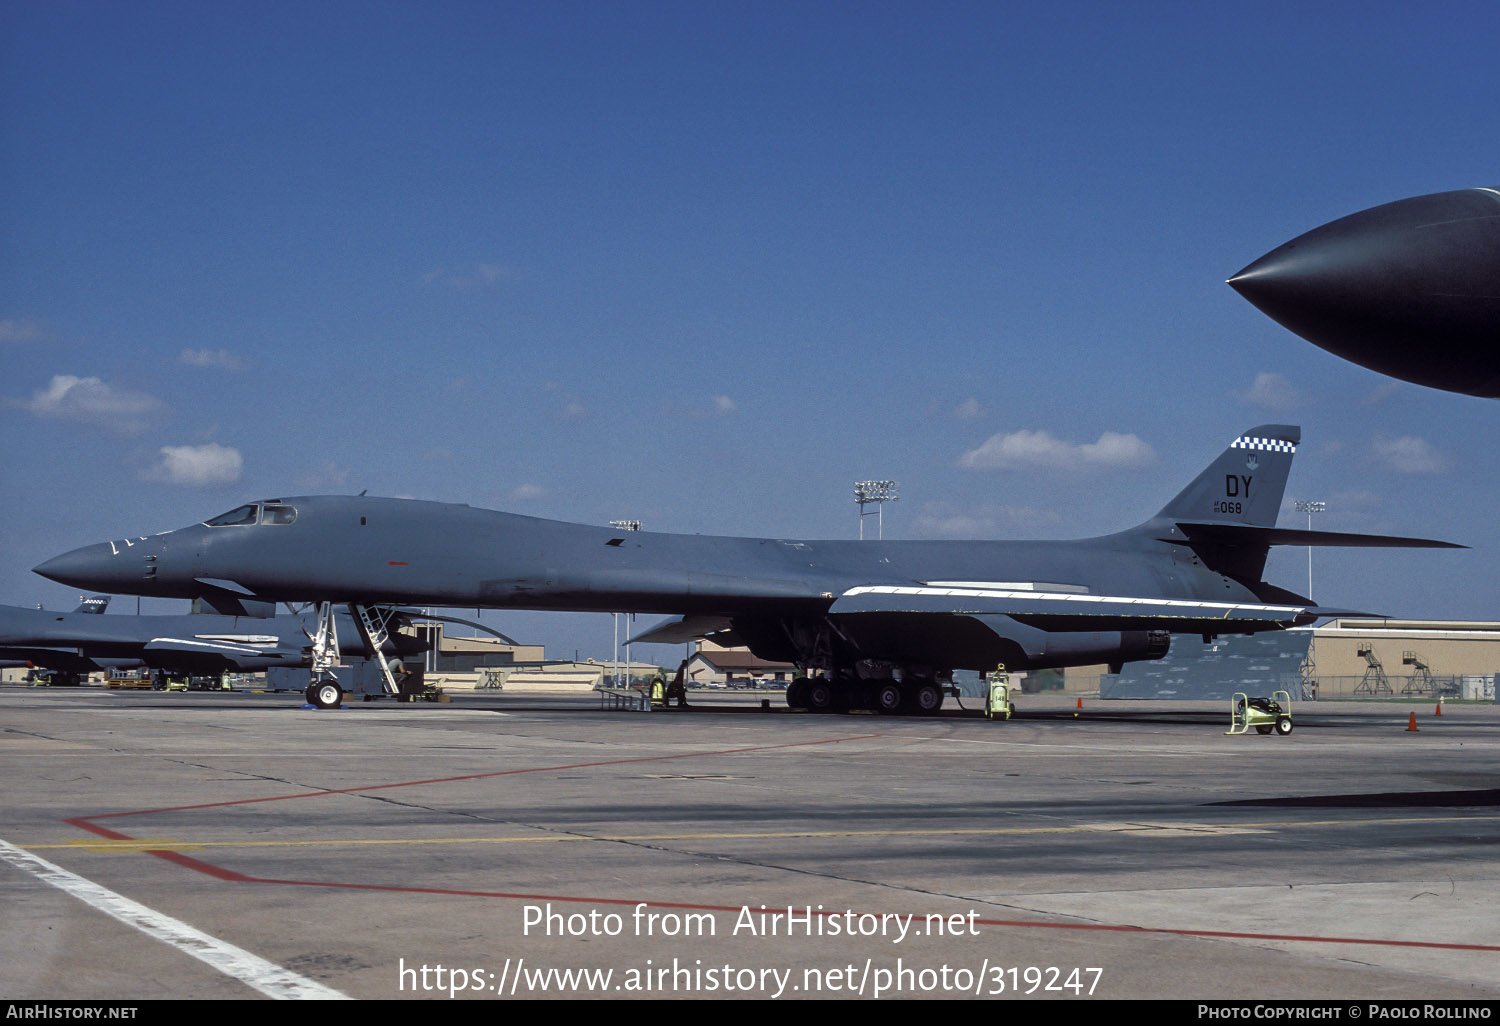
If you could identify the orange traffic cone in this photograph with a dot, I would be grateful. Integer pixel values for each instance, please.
(1080, 703)
(1412, 723)
(1439, 710)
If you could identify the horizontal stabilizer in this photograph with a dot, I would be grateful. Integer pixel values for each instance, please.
(1329, 612)
(1246, 534)
(679, 630)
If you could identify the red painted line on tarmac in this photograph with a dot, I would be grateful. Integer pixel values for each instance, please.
(175, 857)
(471, 776)
(197, 865)
(218, 872)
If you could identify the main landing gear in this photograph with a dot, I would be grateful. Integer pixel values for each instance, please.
(839, 673)
(887, 697)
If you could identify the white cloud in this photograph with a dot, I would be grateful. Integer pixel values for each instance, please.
(91, 401)
(197, 465)
(1273, 391)
(19, 331)
(969, 409)
(481, 276)
(717, 406)
(1409, 455)
(211, 358)
(1381, 392)
(527, 493)
(574, 410)
(1038, 450)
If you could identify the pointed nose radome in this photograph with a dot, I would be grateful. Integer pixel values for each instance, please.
(94, 567)
(1410, 289)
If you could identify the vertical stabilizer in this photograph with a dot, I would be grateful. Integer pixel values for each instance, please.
(1244, 485)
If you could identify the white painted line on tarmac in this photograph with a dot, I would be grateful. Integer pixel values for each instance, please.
(270, 979)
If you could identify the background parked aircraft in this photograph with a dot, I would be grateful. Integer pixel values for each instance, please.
(82, 642)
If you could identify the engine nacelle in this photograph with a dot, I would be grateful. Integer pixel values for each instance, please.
(944, 641)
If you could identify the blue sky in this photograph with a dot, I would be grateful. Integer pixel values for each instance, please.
(706, 264)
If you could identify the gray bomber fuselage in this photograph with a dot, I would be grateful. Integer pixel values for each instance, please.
(380, 550)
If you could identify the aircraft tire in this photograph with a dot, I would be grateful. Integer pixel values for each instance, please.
(820, 696)
(325, 695)
(927, 699)
(1283, 725)
(796, 694)
(887, 698)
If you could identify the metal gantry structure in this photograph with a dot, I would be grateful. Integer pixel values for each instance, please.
(1420, 681)
(1374, 682)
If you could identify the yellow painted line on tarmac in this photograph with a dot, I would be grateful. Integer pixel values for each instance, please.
(1132, 828)
(100, 844)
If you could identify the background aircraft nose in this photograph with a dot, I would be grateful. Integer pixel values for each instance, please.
(96, 567)
(1410, 289)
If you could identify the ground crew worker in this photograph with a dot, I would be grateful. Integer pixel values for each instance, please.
(659, 691)
(677, 689)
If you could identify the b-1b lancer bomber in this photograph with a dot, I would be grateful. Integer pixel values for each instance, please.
(878, 624)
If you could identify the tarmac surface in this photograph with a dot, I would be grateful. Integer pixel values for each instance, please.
(194, 845)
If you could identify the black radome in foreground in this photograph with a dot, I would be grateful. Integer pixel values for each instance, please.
(1410, 289)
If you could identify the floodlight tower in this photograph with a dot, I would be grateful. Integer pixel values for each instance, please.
(877, 492)
(1309, 507)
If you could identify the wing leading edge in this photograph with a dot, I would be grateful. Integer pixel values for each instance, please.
(1070, 611)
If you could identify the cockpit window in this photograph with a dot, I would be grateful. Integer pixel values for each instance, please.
(234, 518)
(278, 513)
